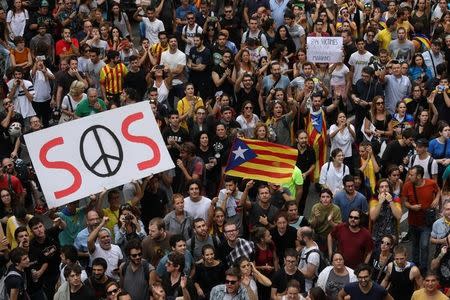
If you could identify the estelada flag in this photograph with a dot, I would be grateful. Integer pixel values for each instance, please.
(260, 160)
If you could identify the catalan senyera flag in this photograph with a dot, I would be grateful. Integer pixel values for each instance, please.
(260, 160)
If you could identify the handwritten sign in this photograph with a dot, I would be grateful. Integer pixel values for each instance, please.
(324, 49)
(81, 157)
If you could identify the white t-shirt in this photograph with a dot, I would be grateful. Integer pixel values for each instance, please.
(313, 259)
(189, 34)
(18, 22)
(65, 102)
(112, 257)
(358, 62)
(424, 164)
(338, 75)
(332, 178)
(152, 29)
(173, 60)
(197, 209)
(248, 127)
(21, 103)
(42, 86)
(342, 140)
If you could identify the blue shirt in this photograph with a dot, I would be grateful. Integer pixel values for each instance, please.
(346, 205)
(181, 12)
(436, 149)
(81, 240)
(188, 262)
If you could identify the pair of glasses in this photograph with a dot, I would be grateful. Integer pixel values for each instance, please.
(248, 107)
(136, 255)
(353, 217)
(379, 103)
(112, 292)
(385, 243)
(230, 281)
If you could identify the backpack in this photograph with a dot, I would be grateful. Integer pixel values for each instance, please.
(323, 261)
(185, 28)
(3, 290)
(247, 33)
(430, 163)
(146, 268)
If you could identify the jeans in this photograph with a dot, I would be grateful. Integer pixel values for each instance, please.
(5, 54)
(420, 238)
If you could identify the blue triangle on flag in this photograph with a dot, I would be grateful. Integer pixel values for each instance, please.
(240, 153)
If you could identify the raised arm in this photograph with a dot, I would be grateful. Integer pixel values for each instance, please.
(93, 235)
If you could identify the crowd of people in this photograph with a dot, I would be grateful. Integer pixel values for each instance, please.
(372, 133)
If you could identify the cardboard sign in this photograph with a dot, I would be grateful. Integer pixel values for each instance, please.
(324, 49)
(81, 157)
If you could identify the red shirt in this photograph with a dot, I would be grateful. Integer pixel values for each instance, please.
(15, 183)
(354, 246)
(63, 47)
(426, 195)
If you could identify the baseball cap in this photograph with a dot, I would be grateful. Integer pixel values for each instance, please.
(43, 3)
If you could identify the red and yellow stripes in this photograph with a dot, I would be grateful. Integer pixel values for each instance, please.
(273, 163)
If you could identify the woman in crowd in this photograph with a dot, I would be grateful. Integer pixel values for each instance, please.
(21, 55)
(381, 121)
(243, 64)
(209, 272)
(216, 222)
(293, 290)
(324, 216)
(16, 20)
(385, 212)
(401, 120)
(418, 71)
(112, 290)
(283, 37)
(334, 277)
(381, 257)
(281, 121)
(7, 206)
(395, 182)
(161, 79)
(187, 105)
(205, 150)
(71, 100)
(332, 172)
(298, 65)
(120, 20)
(197, 122)
(439, 148)
(247, 119)
(250, 276)
(342, 135)
(266, 260)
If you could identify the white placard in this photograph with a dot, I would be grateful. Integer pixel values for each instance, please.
(81, 157)
(324, 49)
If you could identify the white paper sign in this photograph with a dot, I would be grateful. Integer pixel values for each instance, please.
(324, 49)
(81, 157)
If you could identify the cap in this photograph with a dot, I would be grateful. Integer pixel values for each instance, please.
(422, 142)
(44, 3)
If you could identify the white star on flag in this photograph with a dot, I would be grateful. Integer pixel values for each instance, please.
(239, 152)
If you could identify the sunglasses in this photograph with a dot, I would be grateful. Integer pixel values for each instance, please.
(136, 255)
(379, 103)
(385, 243)
(112, 292)
(248, 107)
(353, 217)
(230, 281)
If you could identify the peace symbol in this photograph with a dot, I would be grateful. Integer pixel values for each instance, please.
(108, 160)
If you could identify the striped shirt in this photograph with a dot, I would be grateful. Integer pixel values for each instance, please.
(112, 78)
(157, 49)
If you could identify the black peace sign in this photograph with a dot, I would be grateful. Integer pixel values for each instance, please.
(107, 159)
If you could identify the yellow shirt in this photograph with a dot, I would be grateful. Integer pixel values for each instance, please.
(184, 105)
(113, 219)
(421, 295)
(384, 37)
(404, 24)
(11, 226)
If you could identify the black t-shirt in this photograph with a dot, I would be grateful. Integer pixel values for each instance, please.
(65, 80)
(442, 108)
(153, 205)
(180, 137)
(306, 159)
(283, 242)
(84, 293)
(394, 154)
(98, 288)
(226, 87)
(416, 105)
(280, 280)
(233, 26)
(47, 252)
(204, 57)
(6, 143)
(136, 80)
(16, 282)
(243, 96)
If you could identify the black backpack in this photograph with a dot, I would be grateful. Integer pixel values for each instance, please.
(323, 261)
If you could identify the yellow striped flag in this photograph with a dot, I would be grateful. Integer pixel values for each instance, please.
(261, 160)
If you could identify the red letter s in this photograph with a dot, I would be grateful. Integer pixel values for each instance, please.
(141, 140)
(60, 165)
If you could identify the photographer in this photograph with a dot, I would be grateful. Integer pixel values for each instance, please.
(129, 226)
(41, 76)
